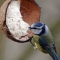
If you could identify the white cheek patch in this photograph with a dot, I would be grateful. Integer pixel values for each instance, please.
(14, 21)
(36, 31)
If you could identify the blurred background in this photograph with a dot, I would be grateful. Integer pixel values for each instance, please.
(50, 15)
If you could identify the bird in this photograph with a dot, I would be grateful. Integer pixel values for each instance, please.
(43, 39)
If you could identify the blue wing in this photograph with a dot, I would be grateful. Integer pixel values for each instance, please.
(49, 49)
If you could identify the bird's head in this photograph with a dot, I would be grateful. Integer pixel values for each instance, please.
(38, 28)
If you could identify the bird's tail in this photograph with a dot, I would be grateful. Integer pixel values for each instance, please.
(53, 54)
(49, 49)
(55, 57)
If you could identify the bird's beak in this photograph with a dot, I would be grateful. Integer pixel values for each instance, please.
(30, 28)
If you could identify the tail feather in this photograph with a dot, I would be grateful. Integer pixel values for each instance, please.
(56, 57)
(52, 53)
(49, 49)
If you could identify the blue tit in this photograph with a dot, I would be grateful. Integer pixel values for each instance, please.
(36, 44)
(45, 39)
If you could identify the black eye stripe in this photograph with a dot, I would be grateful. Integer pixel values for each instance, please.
(34, 28)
